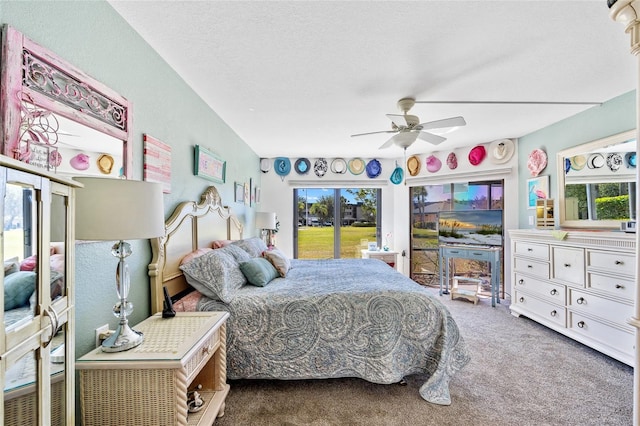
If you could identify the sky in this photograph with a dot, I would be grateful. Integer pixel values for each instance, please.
(314, 194)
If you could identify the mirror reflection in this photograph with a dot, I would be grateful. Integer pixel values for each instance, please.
(597, 182)
(55, 143)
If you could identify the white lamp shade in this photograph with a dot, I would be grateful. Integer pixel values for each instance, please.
(265, 220)
(118, 209)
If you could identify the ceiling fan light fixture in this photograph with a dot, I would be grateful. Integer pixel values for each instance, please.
(405, 139)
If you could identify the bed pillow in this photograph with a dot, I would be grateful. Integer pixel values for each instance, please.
(18, 288)
(279, 260)
(220, 243)
(238, 254)
(254, 246)
(259, 271)
(215, 274)
(194, 254)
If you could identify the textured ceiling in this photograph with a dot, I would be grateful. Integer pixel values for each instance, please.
(297, 78)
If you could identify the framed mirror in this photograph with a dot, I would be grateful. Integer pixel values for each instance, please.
(597, 183)
(56, 117)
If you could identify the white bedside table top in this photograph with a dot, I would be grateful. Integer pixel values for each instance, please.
(164, 338)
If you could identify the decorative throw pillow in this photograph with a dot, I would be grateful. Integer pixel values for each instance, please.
(29, 264)
(254, 246)
(215, 274)
(279, 260)
(11, 265)
(18, 287)
(259, 271)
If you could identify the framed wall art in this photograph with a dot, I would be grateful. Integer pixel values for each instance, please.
(537, 188)
(209, 166)
(239, 192)
(157, 162)
(247, 193)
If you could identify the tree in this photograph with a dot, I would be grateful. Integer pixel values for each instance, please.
(366, 197)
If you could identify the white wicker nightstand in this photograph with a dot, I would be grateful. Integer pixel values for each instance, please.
(148, 385)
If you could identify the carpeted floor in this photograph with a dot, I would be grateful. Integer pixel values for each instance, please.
(521, 373)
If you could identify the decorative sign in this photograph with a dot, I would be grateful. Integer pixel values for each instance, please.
(209, 166)
(157, 162)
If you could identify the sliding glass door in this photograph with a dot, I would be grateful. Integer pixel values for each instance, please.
(335, 222)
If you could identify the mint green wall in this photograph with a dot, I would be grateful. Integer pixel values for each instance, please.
(615, 116)
(93, 37)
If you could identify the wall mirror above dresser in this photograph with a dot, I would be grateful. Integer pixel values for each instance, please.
(597, 183)
(56, 117)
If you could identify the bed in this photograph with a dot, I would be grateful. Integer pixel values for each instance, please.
(324, 319)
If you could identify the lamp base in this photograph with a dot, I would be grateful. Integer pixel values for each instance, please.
(123, 339)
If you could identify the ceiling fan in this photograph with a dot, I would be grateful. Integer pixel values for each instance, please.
(407, 128)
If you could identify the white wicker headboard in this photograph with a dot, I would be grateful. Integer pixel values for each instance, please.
(191, 226)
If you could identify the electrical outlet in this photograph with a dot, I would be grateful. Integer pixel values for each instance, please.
(531, 220)
(101, 330)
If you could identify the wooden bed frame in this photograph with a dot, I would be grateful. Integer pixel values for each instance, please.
(191, 226)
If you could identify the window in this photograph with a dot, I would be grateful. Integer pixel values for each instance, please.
(329, 229)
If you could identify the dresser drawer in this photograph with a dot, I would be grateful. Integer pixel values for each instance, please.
(568, 265)
(537, 251)
(532, 267)
(201, 354)
(612, 285)
(555, 292)
(614, 337)
(599, 306)
(611, 261)
(541, 309)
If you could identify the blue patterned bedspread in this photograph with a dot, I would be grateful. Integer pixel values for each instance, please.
(342, 318)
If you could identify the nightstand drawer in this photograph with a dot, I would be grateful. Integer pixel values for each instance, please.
(201, 355)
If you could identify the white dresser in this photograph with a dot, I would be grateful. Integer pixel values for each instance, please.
(582, 285)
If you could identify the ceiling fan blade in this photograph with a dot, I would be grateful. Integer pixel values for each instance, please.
(446, 122)
(373, 133)
(398, 119)
(388, 143)
(431, 138)
(509, 102)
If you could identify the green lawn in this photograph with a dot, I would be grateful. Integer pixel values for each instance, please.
(317, 242)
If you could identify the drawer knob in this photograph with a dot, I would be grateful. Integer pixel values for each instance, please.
(619, 262)
(522, 300)
(581, 301)
(581, 324)
(529, 266)
(529, 249)
(554, 292)
(207, 349)
(521, 281)
(554, 313)
(567, 265)
(620, 286)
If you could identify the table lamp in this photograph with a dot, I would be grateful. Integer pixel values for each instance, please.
(115, 210)
(266, 222)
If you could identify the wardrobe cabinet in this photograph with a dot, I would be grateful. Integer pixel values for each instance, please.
(37, 337)
(580, 284)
